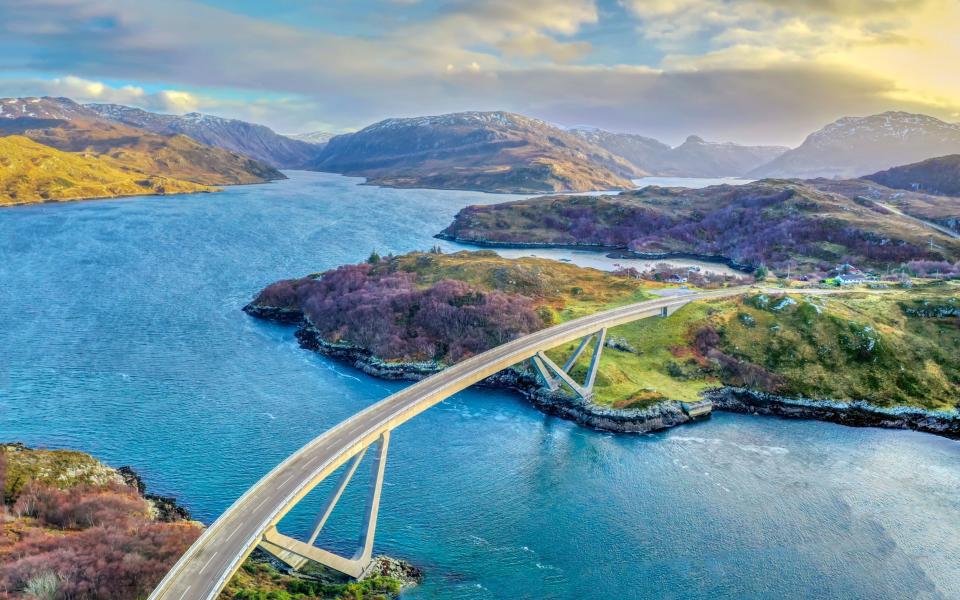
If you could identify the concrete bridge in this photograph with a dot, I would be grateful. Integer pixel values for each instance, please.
(252, 520)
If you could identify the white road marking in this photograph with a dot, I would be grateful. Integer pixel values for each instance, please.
(229, 537)
(184, 594)
(418, 397)
(208, 562)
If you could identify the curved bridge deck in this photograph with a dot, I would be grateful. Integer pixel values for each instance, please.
(205, 568)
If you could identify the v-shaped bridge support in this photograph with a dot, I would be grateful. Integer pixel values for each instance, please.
(296, 553)
(554, 377)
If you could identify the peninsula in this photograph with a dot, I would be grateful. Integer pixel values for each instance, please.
(792, 353)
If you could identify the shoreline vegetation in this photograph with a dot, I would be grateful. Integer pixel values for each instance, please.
(784, 225)
(789, 355)
(76, 528)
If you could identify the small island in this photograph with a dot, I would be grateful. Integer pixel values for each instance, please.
(834, 358)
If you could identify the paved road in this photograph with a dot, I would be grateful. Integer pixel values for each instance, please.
(925, 223)
(205, 568)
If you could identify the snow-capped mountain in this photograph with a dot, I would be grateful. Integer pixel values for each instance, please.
(60, 109)
(317, 138)
(256, 141)
(494, 151)
(855, 146)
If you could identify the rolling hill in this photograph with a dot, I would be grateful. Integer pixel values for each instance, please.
(489, 151)
(941, 210)
(31, 172)
(770, 222)
(938, 176)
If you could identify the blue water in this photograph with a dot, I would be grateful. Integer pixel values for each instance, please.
(121, 335)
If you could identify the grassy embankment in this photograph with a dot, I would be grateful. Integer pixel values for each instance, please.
(891, 347)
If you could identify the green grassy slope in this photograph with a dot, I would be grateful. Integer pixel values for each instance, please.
(31, 172)
(891, 347)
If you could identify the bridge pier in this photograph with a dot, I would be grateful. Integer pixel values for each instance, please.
(206, 567)
(296, 553)
(554, 376)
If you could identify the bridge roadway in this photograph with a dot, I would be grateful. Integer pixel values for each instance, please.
(207, 565)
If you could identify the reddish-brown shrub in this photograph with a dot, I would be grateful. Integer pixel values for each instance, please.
(80, 506)
(99, 542)
(386, 313)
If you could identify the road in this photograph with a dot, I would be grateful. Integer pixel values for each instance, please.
(206, 567)
(923, 222)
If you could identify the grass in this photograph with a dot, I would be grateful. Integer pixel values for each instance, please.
(63, 469)
(627, 379)
(31, 172)
(898, 347)
(862, 346)
(261, 581)
(567, 289)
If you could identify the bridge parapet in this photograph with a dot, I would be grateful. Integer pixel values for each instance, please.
(203, 571)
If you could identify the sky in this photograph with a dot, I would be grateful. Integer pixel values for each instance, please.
(751, 71)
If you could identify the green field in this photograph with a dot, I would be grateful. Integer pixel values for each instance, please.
(896, 347)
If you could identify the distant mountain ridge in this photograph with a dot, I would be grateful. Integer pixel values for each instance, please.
(489, 151)
(317, 138)
(644, 152)
(857, 146)
(256, 141)
(695, 157)
(72, 134)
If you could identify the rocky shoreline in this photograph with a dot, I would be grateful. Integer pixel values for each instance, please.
(613, 251)
(662, 415)
(853, 414)
(168, 509)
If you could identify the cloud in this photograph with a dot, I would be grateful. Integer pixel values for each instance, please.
(88, 90)
(751, 70)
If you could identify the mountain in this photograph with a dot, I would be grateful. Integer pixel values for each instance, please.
(644, 152)
(489, 151)
(939, 176)
(256, 141)
(694, 158)
(46, 108)
(317, 138)
(31, 172)
(773, 222)
(855, 146)
(70, 127)
(698, 158)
